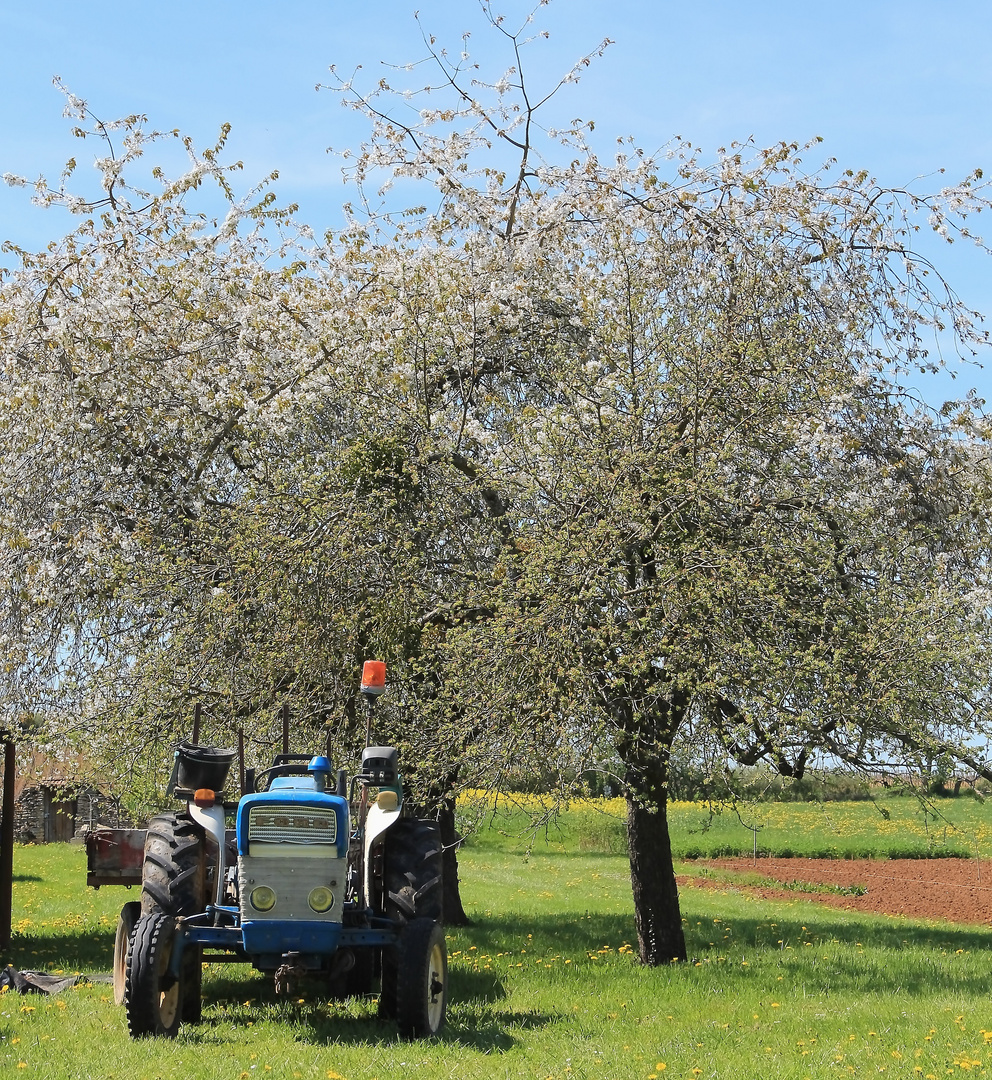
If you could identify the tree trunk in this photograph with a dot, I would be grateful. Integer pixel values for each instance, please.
(442, 809)
(7, 845)
(652, 874)
(454, 912)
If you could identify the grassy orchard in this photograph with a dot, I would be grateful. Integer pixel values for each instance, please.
(542, 985)
(893, 827)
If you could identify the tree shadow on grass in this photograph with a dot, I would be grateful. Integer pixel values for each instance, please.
(871, 955)
(486, 1031)
(320, 1024)
(484, 987)
(477, 987)
(475, 1019)
(90, 951)
(845, 954)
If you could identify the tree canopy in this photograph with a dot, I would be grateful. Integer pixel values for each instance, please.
(606, 458)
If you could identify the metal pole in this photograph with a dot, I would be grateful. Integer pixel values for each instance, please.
(285, 727)
(7, 844)
(370, 702)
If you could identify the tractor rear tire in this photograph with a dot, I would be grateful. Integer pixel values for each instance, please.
(421, 979)
(412, 871)
(152, 998)
(174, 882)
(173, 874)
(129, 915)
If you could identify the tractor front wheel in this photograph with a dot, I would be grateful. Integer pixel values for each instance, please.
(153, 997)
(421, 979)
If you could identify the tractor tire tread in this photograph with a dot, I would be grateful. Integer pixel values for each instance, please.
(412, 871)
(420, 1009)
(142, 984)
(173, 872)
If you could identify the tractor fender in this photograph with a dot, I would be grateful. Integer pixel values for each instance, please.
(381, 815)
(211, 820)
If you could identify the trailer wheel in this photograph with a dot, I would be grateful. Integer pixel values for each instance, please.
(152, 997)
(421, 979)
(412, 871)
(125, 927)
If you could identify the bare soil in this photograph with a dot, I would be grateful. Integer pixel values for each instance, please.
(950, 890)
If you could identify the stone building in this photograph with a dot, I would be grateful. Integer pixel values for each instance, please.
(54, 800)
(54, 811)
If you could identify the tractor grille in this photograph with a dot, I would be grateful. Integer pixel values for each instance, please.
(291, 880)
(292, 825)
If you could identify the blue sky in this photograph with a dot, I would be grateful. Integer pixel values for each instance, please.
(900, 87)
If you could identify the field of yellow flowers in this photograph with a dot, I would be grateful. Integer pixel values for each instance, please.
(900, 827)
(544, 985)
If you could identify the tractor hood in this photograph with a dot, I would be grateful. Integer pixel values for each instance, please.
(293, 819)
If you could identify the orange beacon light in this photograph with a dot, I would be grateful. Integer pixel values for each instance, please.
(373, 677)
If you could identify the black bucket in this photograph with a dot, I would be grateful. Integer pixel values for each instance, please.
(202, 766)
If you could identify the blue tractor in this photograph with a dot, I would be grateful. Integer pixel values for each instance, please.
(322, 877)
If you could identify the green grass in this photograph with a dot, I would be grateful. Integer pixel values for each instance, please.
(542, 985)
(900, 827)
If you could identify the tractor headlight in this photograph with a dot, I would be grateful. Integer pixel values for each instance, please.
(262, 899)
(321, 899)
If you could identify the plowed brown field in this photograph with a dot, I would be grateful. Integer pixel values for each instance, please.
(955, 890)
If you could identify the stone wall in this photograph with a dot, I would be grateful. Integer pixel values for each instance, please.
(46, 814)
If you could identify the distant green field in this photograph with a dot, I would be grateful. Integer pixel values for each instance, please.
(544, 985)
(900, 827)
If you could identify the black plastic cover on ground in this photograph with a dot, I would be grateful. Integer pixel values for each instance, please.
(34, 982)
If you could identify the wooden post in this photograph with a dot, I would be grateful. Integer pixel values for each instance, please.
(7, 844)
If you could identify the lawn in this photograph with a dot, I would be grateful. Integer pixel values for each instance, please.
(543, 984)
(892, 827)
